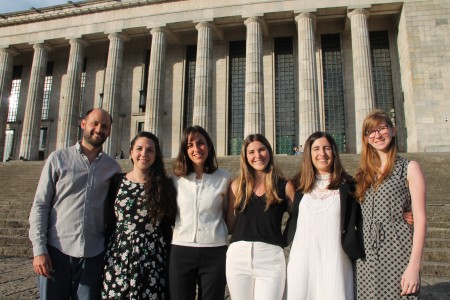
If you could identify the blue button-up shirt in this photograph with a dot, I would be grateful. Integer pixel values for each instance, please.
(68, 211)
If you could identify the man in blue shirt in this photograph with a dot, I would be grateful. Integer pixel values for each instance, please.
(67, 219)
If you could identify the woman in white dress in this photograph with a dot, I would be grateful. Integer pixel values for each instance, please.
(325, 217)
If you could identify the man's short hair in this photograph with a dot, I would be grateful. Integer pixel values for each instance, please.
(92, 109)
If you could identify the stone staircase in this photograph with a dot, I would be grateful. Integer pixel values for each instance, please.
(18, 181)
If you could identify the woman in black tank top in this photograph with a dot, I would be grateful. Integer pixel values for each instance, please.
(258, 198)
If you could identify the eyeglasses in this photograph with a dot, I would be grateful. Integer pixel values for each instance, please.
(381, 130)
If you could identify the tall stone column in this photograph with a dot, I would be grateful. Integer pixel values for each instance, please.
(254, 81)
(67, 132)
(309, 120)
(111, 98)
(6, 68)
(156, 80)
(29, 146)
(362, 70)
(203, 76)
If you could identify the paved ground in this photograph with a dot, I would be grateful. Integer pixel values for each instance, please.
(17, 281)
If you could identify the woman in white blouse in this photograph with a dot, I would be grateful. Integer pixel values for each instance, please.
(326, 238)
(199, 241)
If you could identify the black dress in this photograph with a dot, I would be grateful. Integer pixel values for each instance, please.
(135, 260)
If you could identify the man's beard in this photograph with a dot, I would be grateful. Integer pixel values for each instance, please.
(88, 137)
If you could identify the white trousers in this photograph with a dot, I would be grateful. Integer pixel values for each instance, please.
(255, 270)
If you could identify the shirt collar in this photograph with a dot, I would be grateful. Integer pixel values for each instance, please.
(80, 150)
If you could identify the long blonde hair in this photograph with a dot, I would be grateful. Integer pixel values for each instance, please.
(246, 179)
(368, 173)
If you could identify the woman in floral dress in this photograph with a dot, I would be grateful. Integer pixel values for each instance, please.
(144, 207)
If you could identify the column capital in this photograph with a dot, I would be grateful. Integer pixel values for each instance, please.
(10, 51)
(217, 31)
(172, 37)
(305, 15)
(264, 27)
(42, 46)
(80, 41)
(253, 19)
(204, 24)
(119, 35)
(155, 30)
(359, 11)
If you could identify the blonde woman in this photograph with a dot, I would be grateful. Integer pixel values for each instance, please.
(258, 198)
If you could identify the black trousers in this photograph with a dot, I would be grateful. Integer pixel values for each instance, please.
(204, 266)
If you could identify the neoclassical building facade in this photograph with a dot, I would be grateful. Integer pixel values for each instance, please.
(281, 68)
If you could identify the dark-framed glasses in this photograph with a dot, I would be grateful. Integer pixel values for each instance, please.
(381, 130)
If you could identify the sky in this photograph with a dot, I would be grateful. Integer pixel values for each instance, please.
(7, 6)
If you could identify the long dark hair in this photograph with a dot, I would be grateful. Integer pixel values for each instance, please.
(183, 164)
(306, 178)
(159, 189)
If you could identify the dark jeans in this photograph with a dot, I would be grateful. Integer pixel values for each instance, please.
(73, 278)
(190, 266)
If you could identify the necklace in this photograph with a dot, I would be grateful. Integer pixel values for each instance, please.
(136, 180)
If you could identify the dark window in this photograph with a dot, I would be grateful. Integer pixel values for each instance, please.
(47, 90)
(144, 83)
(381, 71)
(189, 87)
(140, 127)
(284, 95)
(236, 97)
(15, 93)
(82, 88)
(79, 133)
(43, 139)
(333, 89)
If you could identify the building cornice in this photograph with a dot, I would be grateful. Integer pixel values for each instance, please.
(71, 9)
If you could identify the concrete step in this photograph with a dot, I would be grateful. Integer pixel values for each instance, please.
(437, 243)
(438, 213)
(14, 240)
(14, 223)
(13, 212)
(441, 225)
(436, 255)
(439, 233)
(22, 232)
(16, 251)
(440, 269)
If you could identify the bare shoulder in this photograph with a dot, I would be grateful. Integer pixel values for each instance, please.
(415, 176)
(290, 191)
(414, 169)
(234, 186)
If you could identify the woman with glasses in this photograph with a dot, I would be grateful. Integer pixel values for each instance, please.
(386, 186)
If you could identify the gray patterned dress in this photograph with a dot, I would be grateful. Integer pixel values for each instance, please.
(387, 238)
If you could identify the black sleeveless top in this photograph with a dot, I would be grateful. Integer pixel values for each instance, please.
(255, 224)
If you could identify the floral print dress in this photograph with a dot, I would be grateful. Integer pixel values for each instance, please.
(137, 251)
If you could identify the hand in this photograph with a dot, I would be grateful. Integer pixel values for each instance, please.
(42, 265)
(410, 281)
(408, 217)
